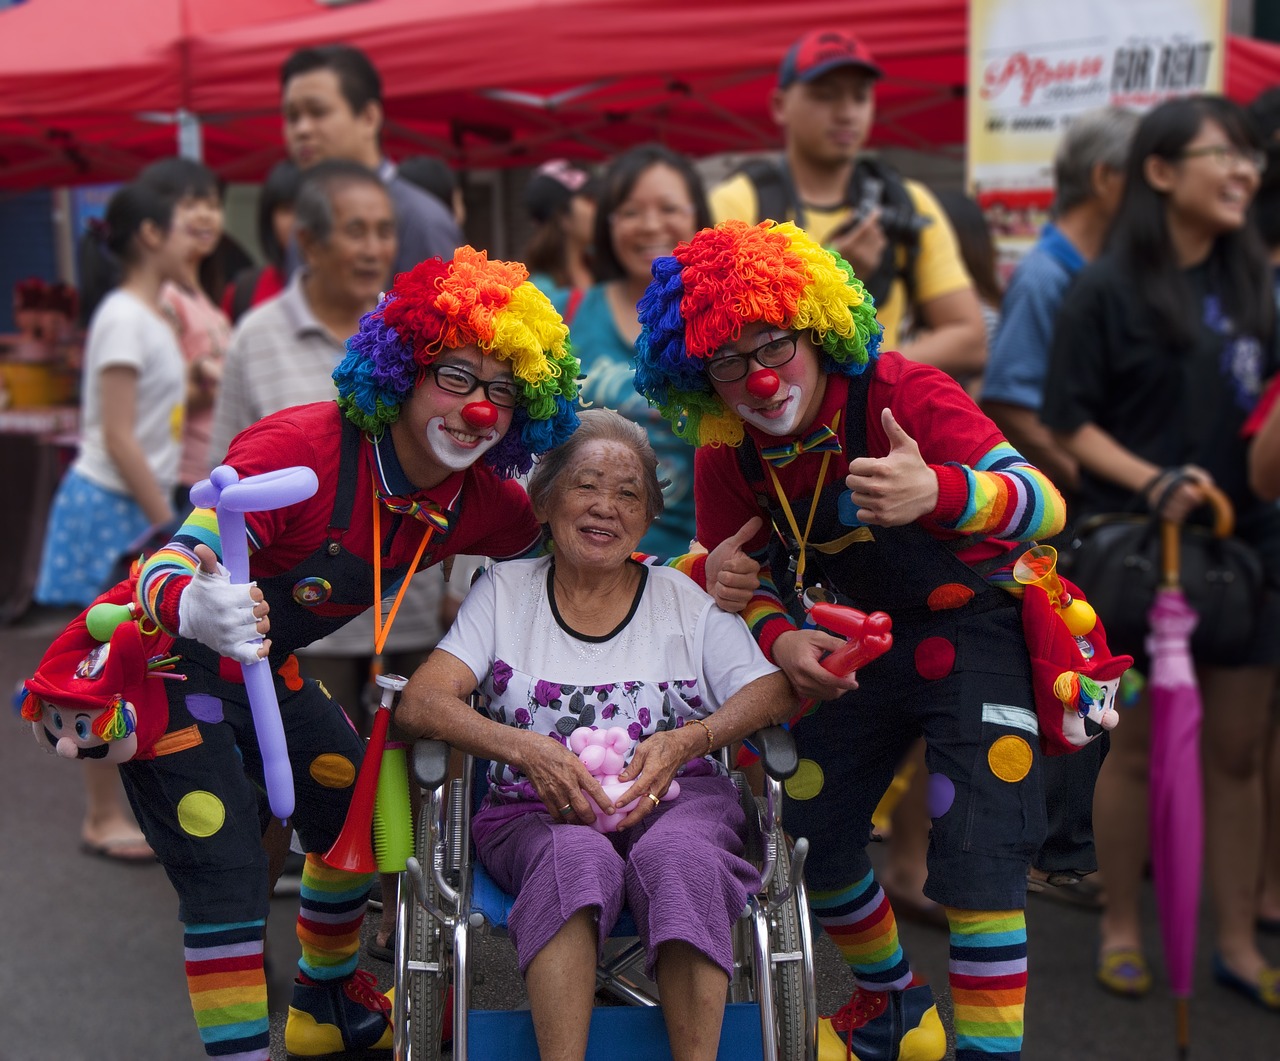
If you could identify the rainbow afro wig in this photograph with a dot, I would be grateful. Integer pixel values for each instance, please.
(735, 274)
(467, 301)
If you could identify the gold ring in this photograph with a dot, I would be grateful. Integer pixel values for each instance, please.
(566, 809)
(655, 799)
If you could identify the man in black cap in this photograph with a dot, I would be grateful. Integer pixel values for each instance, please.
(890, 230)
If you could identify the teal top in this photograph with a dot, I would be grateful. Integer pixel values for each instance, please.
(607, 364)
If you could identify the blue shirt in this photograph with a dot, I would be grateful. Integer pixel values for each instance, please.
(1019, 358)
(610, 383)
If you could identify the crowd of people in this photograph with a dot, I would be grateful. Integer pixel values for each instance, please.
(810, 374)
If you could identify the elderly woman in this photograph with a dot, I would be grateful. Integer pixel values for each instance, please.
(587, 637)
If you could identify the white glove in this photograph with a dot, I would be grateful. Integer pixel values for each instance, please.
(219, 613)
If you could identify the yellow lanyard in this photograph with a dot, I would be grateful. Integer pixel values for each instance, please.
(803, 539)
(380, 631)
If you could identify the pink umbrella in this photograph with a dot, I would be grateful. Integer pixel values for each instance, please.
(1177, 809)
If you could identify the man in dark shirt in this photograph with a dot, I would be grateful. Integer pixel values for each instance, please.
(332, 103)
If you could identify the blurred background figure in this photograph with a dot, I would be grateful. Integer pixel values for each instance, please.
(202, 328)
(436, 177)
(978, 252)
(890, 230)
(1088, 181)
(257, 283)
(561, 200)
(332, 103)
(1184, 282)
(1265, 111)
(120, 485)
(651, 198)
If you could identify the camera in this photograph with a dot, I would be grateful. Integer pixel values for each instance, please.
(899, 224)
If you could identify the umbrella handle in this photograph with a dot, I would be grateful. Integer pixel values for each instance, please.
(1224, 522)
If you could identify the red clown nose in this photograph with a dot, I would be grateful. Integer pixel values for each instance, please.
(480, 414)
(762, 384)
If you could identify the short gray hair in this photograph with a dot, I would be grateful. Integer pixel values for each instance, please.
(599, 425)
(1097, 136)
(313, 209)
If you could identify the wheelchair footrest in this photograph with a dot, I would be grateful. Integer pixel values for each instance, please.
(618, 1033)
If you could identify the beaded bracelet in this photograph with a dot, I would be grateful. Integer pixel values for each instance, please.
(705, 729)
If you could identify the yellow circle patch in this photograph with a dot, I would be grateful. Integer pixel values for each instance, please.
(806, 782)
(201, 813)
(1010, 758)
(333, 771)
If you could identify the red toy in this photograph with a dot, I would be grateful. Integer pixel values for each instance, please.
(97, 692)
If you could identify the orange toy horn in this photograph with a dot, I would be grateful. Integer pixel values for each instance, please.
(353, 849)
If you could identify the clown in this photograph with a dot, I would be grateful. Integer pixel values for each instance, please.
(450, 388)
(884, 483)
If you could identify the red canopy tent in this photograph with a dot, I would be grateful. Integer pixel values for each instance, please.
(90, 89)
(498, 81)
(488, 82)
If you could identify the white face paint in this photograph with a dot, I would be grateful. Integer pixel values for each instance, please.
(781, 417)
(457, 450)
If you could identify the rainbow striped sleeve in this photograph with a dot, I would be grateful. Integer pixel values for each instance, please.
(1002, 496)
(166, 574)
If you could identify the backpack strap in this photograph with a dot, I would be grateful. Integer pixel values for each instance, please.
(777, 200)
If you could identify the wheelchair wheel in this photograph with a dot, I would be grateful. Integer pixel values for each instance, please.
(786, 936)
(426, 989)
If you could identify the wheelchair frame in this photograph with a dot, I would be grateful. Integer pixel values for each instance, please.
(436, 920)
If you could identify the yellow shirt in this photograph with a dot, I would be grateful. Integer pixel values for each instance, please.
(939, 268)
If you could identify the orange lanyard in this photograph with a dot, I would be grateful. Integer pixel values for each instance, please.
(380, 631)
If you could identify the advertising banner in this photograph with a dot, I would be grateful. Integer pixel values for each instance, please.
(1036, 64)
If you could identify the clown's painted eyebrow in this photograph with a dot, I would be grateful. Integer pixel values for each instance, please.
(472, 361)
(766, 335)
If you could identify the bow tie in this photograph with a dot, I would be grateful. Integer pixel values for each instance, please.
(427, 512)
(820, 440)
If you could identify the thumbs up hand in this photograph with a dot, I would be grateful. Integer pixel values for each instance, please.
(896, 489)
(732, 576)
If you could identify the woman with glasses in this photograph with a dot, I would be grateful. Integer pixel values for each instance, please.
(1159, 354)
(650, 198)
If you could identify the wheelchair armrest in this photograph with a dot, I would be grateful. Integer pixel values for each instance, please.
(777, 751)
(430, 763)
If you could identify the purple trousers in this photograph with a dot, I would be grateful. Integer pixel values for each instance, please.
(680, 871)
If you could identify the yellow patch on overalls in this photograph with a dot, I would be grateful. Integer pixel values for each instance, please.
(806, 782)
(333, 770)
(1010, 758)
(201, 813)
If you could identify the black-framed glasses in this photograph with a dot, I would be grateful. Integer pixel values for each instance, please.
(503, 393)
(726, 368)
(1228, 155)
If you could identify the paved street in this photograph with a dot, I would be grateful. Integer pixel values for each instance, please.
(92, 962)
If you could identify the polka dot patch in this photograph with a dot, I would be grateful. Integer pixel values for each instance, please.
(950, 595)
(201, 813)
(1010, 758)
(935, 656)
(806, 782)
(333, 770)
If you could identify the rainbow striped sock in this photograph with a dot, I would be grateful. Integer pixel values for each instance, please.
(860, 921)
(329, 917)
(988, 982)
(228, 989)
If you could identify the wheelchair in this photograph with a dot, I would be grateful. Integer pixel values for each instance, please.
(446, 898)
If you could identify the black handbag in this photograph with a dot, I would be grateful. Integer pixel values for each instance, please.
(1115, 559)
